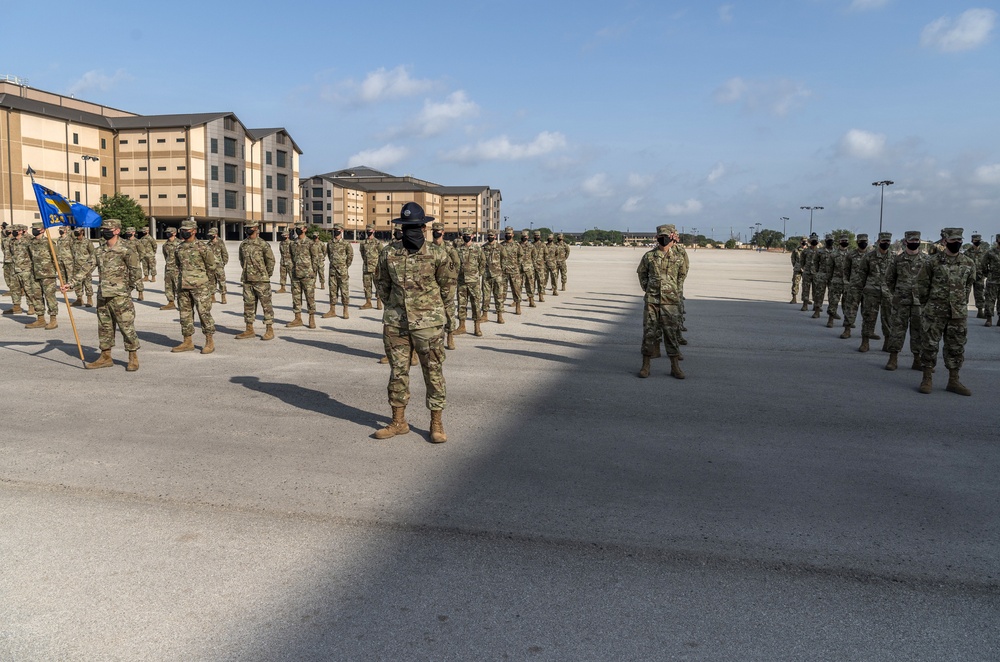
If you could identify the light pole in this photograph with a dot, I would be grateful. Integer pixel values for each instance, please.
(784, 237)
(86, 192)
(758, 236)
(810, 217)
(750, 237)
(882, 184)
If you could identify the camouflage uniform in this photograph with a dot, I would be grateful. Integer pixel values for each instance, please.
(319, 258)
(448, 294)
(975, 252)
(127, 237)
(492, 279)
(217, 278)
(822, 271)
(8, 266)
(552, 263)
(341, 255)
(44, 270)
(943, 287)
(472, 262)
(64, 252)
(257, 261)
(118, 270)
(900, 279)
(661, 272)
(838, 281)
(197, 275)
(149, 257)
(24, 275)
(877, 298)
(370, 249)
(528, 269)
(808, 260)
(796, 271)
(510, 260)
(169, 250)
(538, 252)
(991, 272)
(83, 249)
(562, 255)
(303, 275)
(852, 278)
(285, 259)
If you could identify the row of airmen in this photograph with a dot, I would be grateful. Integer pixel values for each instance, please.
(925, 293)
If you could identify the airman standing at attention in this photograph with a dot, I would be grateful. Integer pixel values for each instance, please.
(64, 252)
(303, 276)
(822, 272)
(133, 245)
(561, 256)
(797, 269)
(148, 241)
(170, 268)
(838, 280)
(877, 297)
(528, 268)
(285, 258)
(83, 249)
(493, 275)
(470, 286)
(943, 288)
(448, 293)
(538, 251)
(197, 275)
(852, 293)
(13, 287)
(975, 252)
(991, 272)
(24, 275)
(411, 277)
(661, 272)
(319, 258)
(341, 255)
(118, 270)
(44, 270)
(370, 249)
(808, 263)
(552, 263)
(257, 261)
(218, 247)
(900, 279)
(510, 258)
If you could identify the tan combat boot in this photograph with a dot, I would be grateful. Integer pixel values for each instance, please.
(53, 324)
(209, 344)
(223, 297)
(925, 383)
(555, 292)
(805, 306)
(384, 360)
(847, 333)
(78, 303)
(397, 426)
(864, 345)
(517, 307)
(297, 321)
(152, 279)
(141, 296)
(185, 346)
(413, 358)
(829, 322)
(347, 315)
(332, 312)
(16, 310)
(90, 302)
(268, 332)
(477, 330)
(437, 428)
(281, 290)
(249, 333)
(31, 309)
(500, 317)
(644, 370)
(541, 296)
(461, 331)
(675, 367)
(531, 302)
(169, 306)
(312, 321)
(450, 341)
(378, 304)
(564, 287)
(893, 359)
(916, 363)
(989, 320)
(133, 362)
(367, 304)
(794, 300)
(483, 318)
(37, 324)
(815, 314)
(954, 385)
(102, 361)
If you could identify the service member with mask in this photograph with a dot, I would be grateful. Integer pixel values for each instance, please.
(662, 272)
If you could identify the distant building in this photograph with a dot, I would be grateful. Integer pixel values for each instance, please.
(205, 166)
(356, 197)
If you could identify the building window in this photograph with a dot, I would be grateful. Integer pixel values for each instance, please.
(215, 173)
(328, 206)
(76, 141)
(231, 199)
(162, 196)
(104, 143)
(229, 124)
(317, 205)
(124, 169)
(182, 167)
(328, 219)
(230, 173)
(318, 192)
(317, 218)
(143, 196)
(267, 179)
(76, 168)
(214, 146)
(180, 140)
(104, 171)
(161, 168)
(142, 141)
(282, 182)
(76, 196)
(229, 145)
(161, 140)
(280, 138)
(123, 142)
(215, 200)
(142, 168)
(281, 158)
(270, 206)
(267, 158)
(282, 205)
(182, 195)
(329, 193)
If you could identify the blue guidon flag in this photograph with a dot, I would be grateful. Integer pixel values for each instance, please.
(56, 211)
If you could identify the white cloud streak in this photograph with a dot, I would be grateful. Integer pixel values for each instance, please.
(632, 204)
(382, 85)
(726, 13)
(597, 186)
(970, 30)
(379, 158)
(988, 174)
(97, 81)
(717, 172)
(689, 206)
(502, 149)
(860, 144)
(436, 117)
(777, 96)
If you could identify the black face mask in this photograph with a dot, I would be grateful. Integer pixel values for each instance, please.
(862, 244)
(662, 241)
(36, 231)
(371, 234)
(954, 246)
(107, 234)
(524, 240)
(845, 244)
(913, 245)
(397, 234)
(248, 234)
(509, 236)
(884, 245)
(413, 238)
(466, 238)
(437, 234)
(814, 242)
(337, 233)
(184, 234)
(300, 231)
(976, 242)
(490, 238)
(829, 243)
(141, 235)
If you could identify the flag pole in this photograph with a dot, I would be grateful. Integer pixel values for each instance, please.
(55, 261)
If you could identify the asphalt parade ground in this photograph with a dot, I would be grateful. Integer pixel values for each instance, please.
(789, 500)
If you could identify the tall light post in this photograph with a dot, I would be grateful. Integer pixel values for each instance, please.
(758, 236)
(882, 184)
(86, 192)
(811, 209)
(784, 236)
(750, 236)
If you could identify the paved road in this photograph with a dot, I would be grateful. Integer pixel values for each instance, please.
(789, 500)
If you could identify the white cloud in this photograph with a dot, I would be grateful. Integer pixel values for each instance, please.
(726, 13)
(502, 149)
(597, 186)
(689, 206)
(717, 172)
(988, 174)
(862, 144)
(381, 157)
(632, 204)
(381, 85)
(852, 204)
(95, 80)
(865, 5)
(635, 180)
(436, 117)
(970, 30)
(778, 96)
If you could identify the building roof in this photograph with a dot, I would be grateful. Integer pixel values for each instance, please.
(355, 172)
(167, 121)
(460, 190)
(260, 134)
(44, 109)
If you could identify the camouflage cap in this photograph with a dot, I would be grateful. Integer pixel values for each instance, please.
(885, 236)
(911, 235)
(38, 224)
(463, 231)
(111, 223)
(814, 236)
(537, 233)
(955, 234)
(130, 230)
(338, 226)
(22, 228)
(844, 237)
(437, 225)
(369, 228)
(508, 230)
(525, 233)
(313, 234)
(251, 225)
(669, 228)
(189, 224)
(976, 236)
(561, 235)
(282, 233)
(862, 237)
(213, 232)
(170, 232)
(829, 236)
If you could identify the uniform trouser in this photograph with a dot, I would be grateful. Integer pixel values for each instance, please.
(990, 302)
(541, 277)
(149, 266)
(807, 282)
(367, 280)
(493, 286)
(13, 284)
(339, 284)
(116, 311)
(219, 279)
(429, 346)
(470, 292)
(852, 301)
(905, 315)
(66, 269)
(170, 284)
(837, 298)
(796, 281)
(665, 320)
(305, 286)
(979, 293)
(27, 285)
(87, 285)
(252, 293)
(875, 302)
(953, 332)
(511, 282)
(562, 272)
(283, 272)
(199, 299)
(528, 278)
(819, 284)
(47, 288)
(320, 270)
(553, 270)
(449, 294)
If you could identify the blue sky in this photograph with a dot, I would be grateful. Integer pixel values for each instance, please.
(586, 114)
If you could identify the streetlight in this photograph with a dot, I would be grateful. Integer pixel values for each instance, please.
(783, 219)
(750, 237)
(882, 184)
(758, 235)
(86, 192)
(810, 217)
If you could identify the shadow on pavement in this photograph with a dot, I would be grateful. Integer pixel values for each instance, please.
(331, 347)
(311, 400)
(531, 355)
